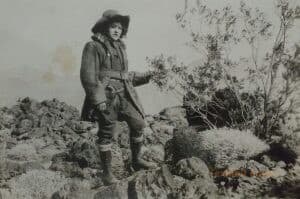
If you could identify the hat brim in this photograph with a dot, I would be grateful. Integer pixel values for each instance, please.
(102, 23)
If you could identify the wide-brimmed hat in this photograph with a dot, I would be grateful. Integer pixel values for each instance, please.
(109, 16)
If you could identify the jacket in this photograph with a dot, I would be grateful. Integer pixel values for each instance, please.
(100, 59)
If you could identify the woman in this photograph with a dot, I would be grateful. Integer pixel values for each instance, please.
(110, 93)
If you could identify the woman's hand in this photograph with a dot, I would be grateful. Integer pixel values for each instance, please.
(101, 107)
(149, 74)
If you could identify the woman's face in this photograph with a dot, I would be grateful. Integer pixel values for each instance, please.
(115, 30)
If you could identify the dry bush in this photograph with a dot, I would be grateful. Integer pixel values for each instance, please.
(217, 147)
(263, 84)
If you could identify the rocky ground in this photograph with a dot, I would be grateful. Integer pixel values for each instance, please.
(47, 152)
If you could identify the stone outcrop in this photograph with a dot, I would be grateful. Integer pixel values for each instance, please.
(47, 152)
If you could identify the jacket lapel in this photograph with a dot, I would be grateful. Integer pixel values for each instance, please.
(121, 48)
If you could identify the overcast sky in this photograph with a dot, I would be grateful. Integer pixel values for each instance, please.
(41, 43)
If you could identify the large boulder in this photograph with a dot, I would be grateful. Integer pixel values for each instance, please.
(198, 183)
(191, 168)
(152, 184)
(217, 147)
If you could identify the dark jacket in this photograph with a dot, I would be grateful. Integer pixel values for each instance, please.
(100, 56)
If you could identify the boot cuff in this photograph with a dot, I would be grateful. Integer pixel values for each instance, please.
(106, 147)
(137, 139)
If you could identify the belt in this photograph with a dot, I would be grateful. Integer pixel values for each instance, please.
(114, 75)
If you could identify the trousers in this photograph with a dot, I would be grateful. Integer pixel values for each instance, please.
(120, 108)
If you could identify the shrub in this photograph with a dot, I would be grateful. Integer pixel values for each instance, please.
(217, 147)
(258, 90)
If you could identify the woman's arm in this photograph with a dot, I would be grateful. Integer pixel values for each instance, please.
(139, 78)
(94, 89)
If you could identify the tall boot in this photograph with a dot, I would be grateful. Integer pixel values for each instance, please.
(108, 176)
(137, 162)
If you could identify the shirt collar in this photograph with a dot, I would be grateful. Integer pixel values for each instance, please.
(102, 38)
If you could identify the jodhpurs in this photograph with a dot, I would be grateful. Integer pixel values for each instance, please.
(119, 109)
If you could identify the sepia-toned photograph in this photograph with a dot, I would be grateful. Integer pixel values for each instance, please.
(149, 99)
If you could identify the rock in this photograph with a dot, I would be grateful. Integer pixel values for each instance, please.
(50, 114)
(61, 162)
(154, 153)
(85, 153)
(198, 188)
(244, 178)
(152, 184)
(289, 189)
(28, 105)
(249, 168)
(65, 111)
(217, 148)
(277, 172)
(24, 126)
(48, 120)
(116, 191)
(75, 189)
(22, 152)
(4, 137)
(199, 183)
(28, 166)
(7, 119)
(10, 169)
(281, 164)
(255, 168)
(192, 168)
(159, 133)
(149, 119)
(5, 194)
(81, 126)
(46, 154)
(68, 169)
(266, 160)
(52, 154)
(36, 184)
(176, 114)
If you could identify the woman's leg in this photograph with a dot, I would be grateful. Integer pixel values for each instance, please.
(136, 125)
(107, 126)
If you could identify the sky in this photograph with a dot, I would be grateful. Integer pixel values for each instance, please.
(41, 43)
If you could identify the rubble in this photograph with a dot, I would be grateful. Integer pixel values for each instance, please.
(47, 152)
